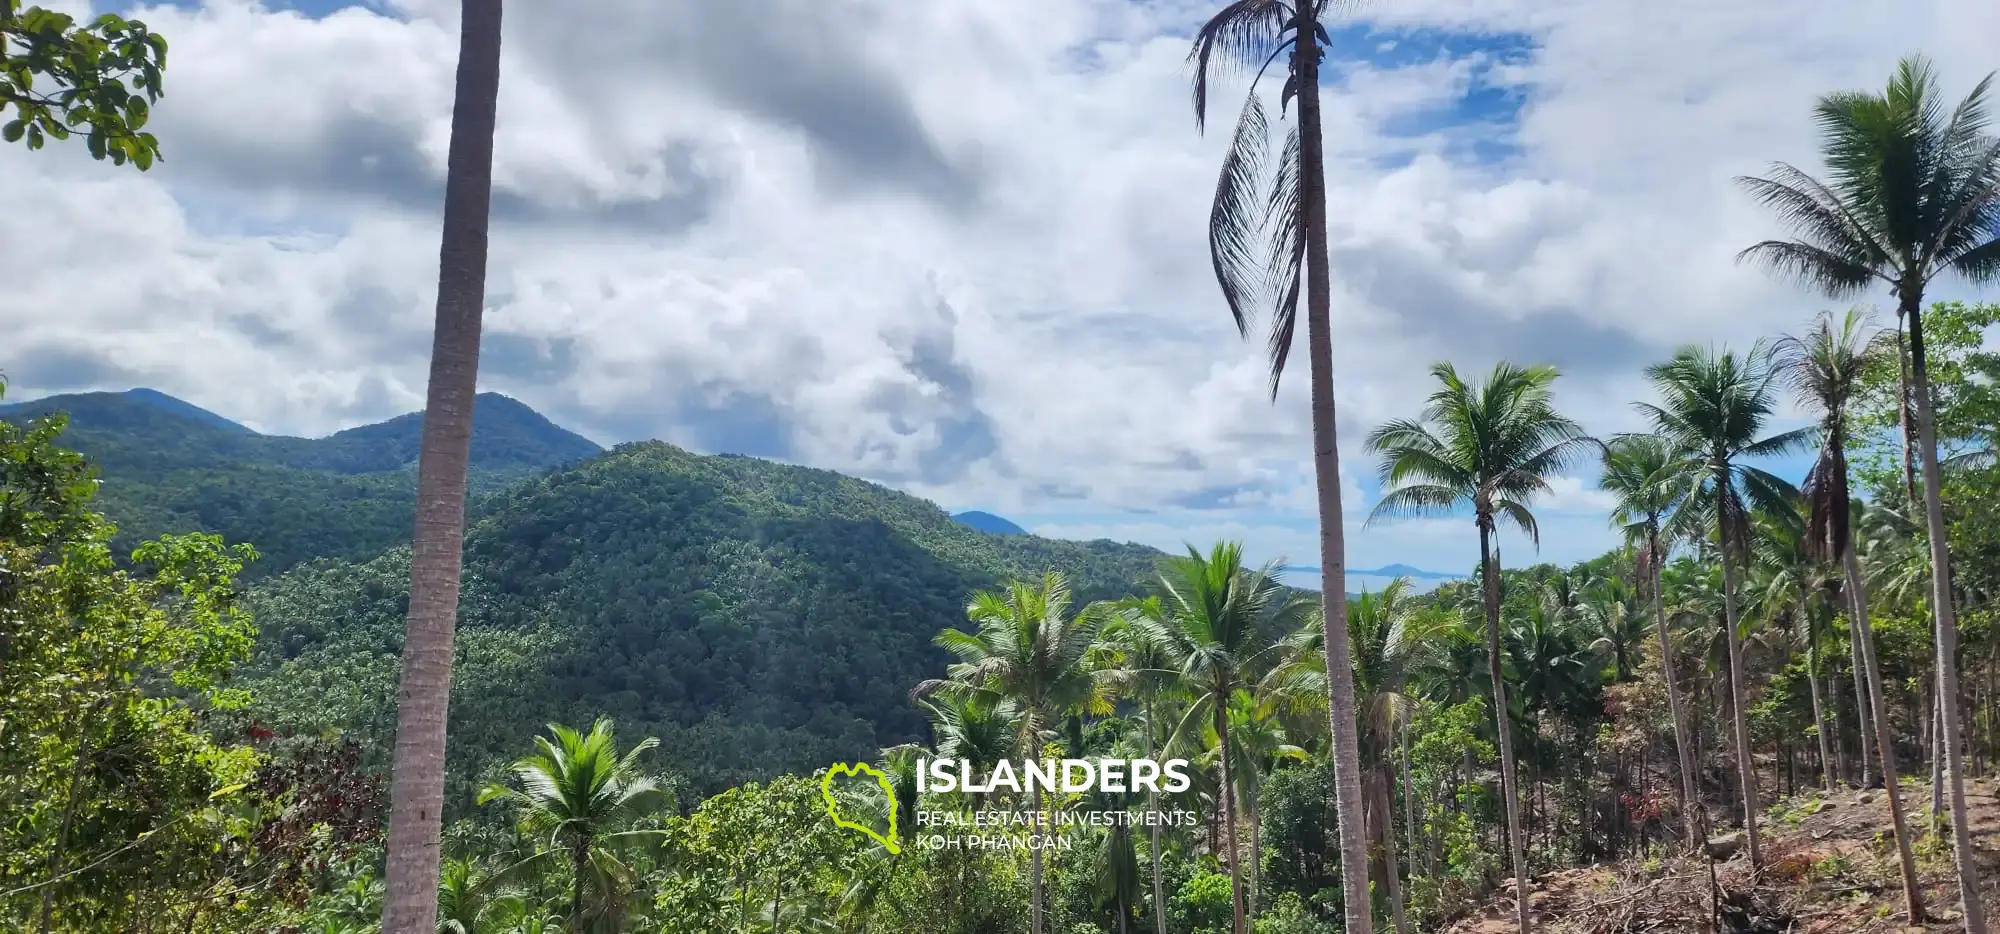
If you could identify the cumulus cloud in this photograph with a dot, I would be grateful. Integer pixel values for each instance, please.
(954, 247)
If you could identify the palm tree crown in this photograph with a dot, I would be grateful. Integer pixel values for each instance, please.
(1714, 407)
(1491, 447)
(1912, 190)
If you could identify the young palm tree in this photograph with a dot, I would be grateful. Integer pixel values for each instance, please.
(582, 796)
(1291, 211)
(1824, 369)
(1492, 448)
(1215, 608)
(1914, 192)
(1713, 407)
(1030, 650)
(417, 779)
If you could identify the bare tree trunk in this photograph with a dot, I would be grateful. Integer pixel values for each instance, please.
(1035, 893)
(1745, 766)
(1820, 723)
(1509, 790)
(437, 549)
(1864, 702)
(1936, 730)
(1903, 416)
(1152, 804)
(1326, 471)
(1945, 616)
(1225, 798)
(1913, 898)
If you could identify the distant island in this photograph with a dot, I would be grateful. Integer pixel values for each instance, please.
(987, 522)
(1387, 570)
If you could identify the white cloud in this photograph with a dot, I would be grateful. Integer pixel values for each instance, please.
(953, 246)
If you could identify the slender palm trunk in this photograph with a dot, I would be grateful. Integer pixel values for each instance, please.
(1152, 804)
(1913, 898)
(1035, 899)
(1937, 759)
(1746, 771)
(1946, 619)
(1256, 850)
(1489, 573)
(1326, 470)
(1903, 417)
(1693, 821)
(1225, 799)
(417, 779)
(1864, 701)
(1392, 870)
(1820, 723)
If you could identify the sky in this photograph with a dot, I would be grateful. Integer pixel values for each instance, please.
(954, 247)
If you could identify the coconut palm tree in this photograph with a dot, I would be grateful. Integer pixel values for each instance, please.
(1914, 192)
(416, 787)
(578, 793)
(1713, 407)
(1211, 634)
(1288, 211)
(1824, 368)
(1029, 649)
(1490, 448)
(1258, 744)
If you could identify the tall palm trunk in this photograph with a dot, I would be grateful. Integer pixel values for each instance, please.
(1035, 898)
(1693, 821)
(1326, 470)
(1746, 771)
(1946, 617)
(1226, 799)
(1820, 724)
(1864, 700)
(1152, 804)
(417, 780)
(1913, 899)
(1392, 871)
(1903, 416)
(1489, 573)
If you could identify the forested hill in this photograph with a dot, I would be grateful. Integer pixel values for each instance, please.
(755, 617)
(169, 466)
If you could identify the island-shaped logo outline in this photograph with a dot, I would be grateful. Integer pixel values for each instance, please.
(833, 804)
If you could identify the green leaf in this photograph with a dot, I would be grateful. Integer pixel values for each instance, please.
(13, 130)
(143, 158)
(35, 139)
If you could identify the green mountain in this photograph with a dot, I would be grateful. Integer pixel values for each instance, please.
(756, 617)
(169, 466)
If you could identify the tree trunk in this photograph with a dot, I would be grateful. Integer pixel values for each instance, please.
(1509, 797)
(1820, 723)
(1864, 701)
(1152, 804)
(1746, 771)
(1256, 852)
(1225, 798)
(1326, 470)
(1913, 898)
(1945, 617)
(1937, 759)
(1903, 416)
(1035, 898)
(1392, 870)
(437, 548)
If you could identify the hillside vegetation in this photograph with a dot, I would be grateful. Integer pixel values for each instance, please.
(168, 466)
(758, 618)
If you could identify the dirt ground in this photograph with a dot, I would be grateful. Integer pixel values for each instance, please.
(1829, 868)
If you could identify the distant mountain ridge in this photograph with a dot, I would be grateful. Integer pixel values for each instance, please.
(1387, 570)
(988, 522)
(170, 466)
